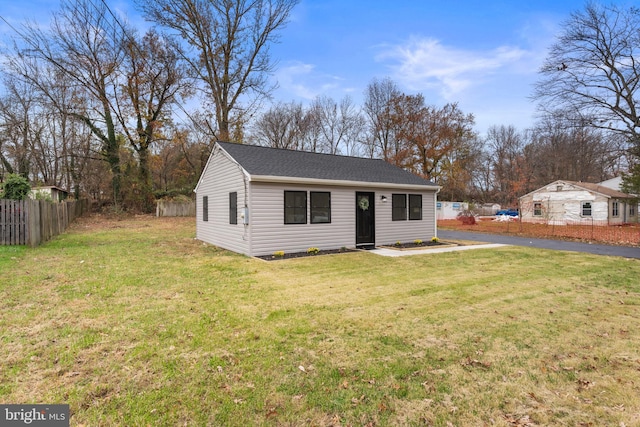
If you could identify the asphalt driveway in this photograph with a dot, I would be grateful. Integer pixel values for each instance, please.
(558, 245)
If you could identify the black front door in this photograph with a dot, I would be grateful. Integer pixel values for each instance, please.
(365, 219)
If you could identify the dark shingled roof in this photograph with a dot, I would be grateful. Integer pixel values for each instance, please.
(601, 189)
(267, 161)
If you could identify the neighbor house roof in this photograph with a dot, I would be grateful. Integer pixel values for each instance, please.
(49, 187)
(607, 191)
(272, 164)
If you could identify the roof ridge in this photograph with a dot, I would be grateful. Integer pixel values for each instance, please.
(299, 151)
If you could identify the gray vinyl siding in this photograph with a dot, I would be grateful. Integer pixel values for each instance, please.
(221, 177)
(270, 234)
(389, 232)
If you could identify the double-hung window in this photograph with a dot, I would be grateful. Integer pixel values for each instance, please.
(586, 208)
(295, 207)
(398, 207)
(205, 208)
(537, 209)
(320, 207)
(415, 206)
(233, 208)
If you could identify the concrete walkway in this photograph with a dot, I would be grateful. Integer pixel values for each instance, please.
(432, 250)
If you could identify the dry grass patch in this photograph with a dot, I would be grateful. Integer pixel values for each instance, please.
(133, 322)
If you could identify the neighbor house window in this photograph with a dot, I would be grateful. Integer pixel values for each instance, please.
(295, 207)
(537, 209)
(632, 210)
(205, 208)
(320, 207)
(415, 206)
(398, 207)
(586, 208)
(614, 209)
(233, 208)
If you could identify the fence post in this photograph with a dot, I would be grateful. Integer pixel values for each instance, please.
(37, 229)
(21, 226)
(2, 220)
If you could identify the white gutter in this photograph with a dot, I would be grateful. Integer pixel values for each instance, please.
(341, 183)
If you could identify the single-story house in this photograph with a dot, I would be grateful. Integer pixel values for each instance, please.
(49, 192)
(450, 210)
(569, 202)
(258, 200)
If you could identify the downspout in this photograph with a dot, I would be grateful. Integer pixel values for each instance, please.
(435, 212)
(245, 207)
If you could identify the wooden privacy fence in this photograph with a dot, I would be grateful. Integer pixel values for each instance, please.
(32, 222)
(169, 208)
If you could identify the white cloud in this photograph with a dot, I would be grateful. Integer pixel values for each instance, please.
(425, 63)
(303, 81)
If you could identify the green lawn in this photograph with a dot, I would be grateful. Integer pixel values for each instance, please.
(134, 322)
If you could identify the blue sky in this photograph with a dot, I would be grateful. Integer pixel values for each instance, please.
(485, 55)
(482, 54)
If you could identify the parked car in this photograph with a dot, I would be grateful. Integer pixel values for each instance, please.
(508, 212)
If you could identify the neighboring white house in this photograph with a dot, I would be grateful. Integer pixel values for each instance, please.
(258, 200)
(563, 202)
(450, 210)
(50, 192)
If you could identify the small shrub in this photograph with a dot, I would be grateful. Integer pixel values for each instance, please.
(467, 218)
(278, 254)
(434, 239)
(419, 242)
(398, 243)
(16, 187)
(313, 251)
(43, 196)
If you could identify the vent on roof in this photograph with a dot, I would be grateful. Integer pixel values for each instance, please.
(558, 187)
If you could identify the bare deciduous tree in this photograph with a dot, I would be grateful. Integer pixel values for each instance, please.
(155, 78)
(228, 48)
(340, 123)
(85, 43)
(378, 109)
(594, 70)
(18, 129)
(281, 127)
(565, 150)
(510, 170)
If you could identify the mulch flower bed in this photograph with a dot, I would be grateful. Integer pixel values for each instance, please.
(305, 254)
(408, 245)
(413, 245)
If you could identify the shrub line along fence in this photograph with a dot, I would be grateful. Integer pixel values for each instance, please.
(32, 222)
